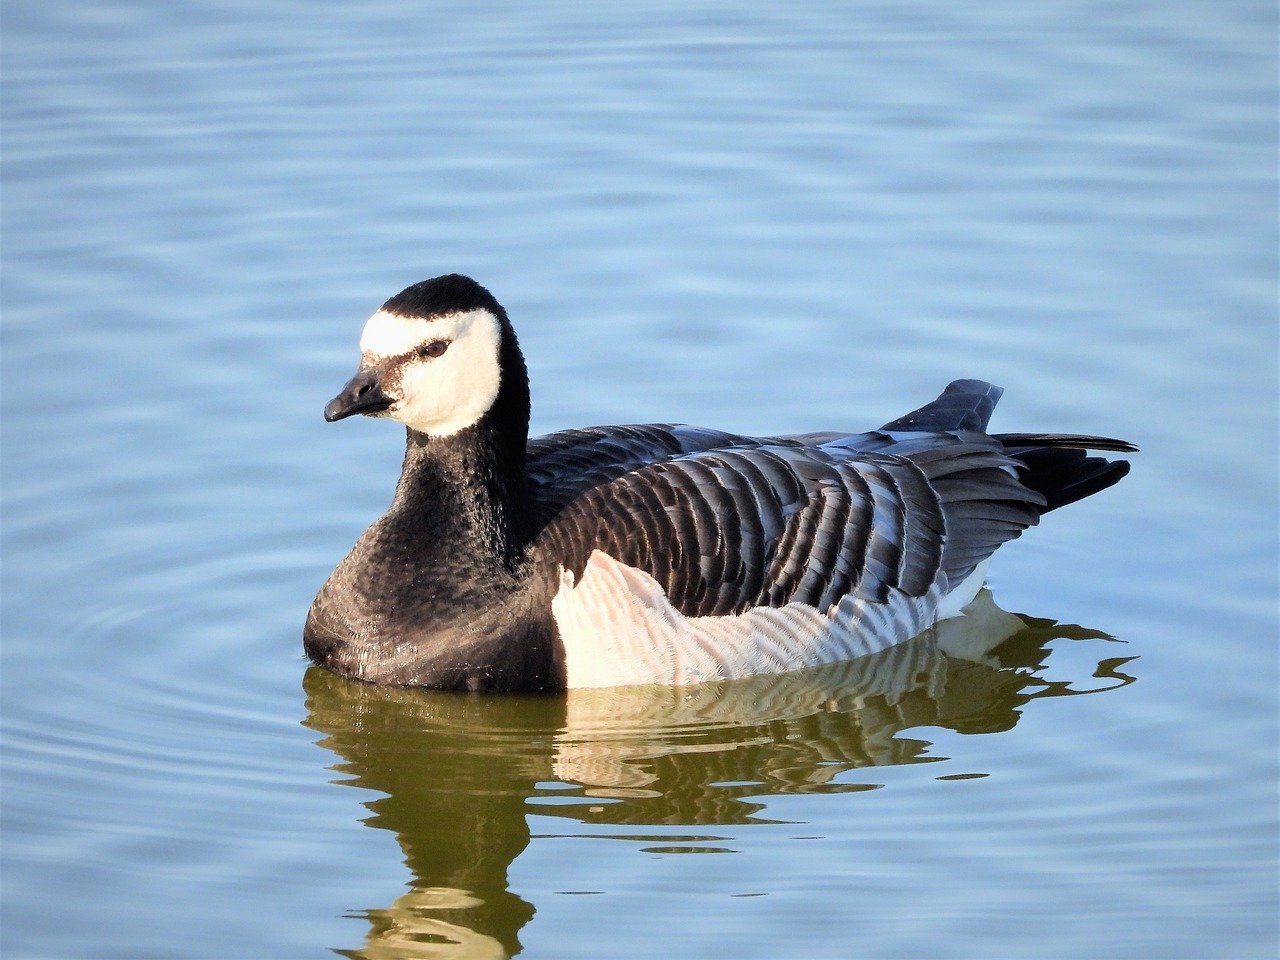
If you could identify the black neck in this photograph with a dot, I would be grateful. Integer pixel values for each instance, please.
(467, 493)
(462, 496)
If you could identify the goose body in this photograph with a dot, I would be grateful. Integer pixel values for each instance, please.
(655, 553)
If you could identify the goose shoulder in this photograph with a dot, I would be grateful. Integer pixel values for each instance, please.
(563, 465)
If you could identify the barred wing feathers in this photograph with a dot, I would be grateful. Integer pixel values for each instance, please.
(685, 555)
(775, 522)
(563, 465)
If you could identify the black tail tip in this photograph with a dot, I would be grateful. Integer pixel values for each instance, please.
(1063, 476)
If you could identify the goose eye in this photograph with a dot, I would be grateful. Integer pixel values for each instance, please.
(433, 349)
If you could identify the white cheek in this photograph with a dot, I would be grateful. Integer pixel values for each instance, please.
(446, 394)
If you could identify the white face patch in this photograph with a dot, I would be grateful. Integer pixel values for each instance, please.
(436, 395)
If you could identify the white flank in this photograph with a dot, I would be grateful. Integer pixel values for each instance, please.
(953, 604)
(441, 395)
(608, 729)
(619, 628)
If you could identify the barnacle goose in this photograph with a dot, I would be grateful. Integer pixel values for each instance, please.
(659, 553)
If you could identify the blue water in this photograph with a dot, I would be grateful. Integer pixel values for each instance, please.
(755, 217)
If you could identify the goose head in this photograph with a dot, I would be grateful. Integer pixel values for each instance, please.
(434, 357)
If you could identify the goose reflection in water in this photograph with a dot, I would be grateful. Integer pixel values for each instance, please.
(461, 773)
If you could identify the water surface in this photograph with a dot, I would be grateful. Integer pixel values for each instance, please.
(757, 219)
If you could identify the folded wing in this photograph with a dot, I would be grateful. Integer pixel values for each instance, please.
(768, 523)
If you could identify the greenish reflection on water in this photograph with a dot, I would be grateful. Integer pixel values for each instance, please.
(460, 773)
